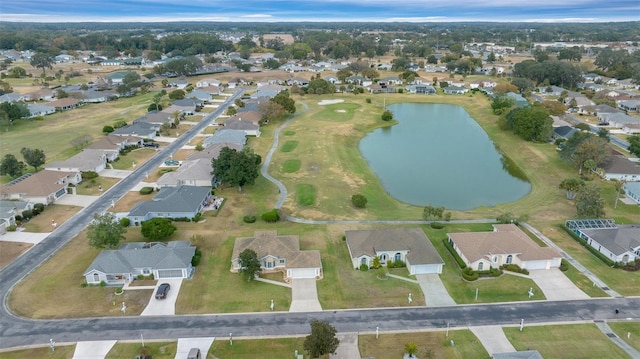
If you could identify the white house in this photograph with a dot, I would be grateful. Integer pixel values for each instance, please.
(632, 191)
(409, 245)
(620, 243)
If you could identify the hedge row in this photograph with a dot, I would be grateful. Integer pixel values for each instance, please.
(455, 255)
(584, 243)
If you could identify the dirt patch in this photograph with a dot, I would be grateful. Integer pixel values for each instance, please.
(10, 251)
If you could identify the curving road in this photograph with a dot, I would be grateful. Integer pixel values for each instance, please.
(16, 331)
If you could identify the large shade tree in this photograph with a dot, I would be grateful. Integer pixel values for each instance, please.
(33, 156)
(249, 264)
(589, 202)
(322, 339)
(157, 228)
(572, 186)
(11, 166)
(105, 231)
(236, 168)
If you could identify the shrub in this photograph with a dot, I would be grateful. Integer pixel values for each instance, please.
(36, 211)
(27, 214)
(125, 222)
(400, 90)
(387, 115)
(399, 264)
(249, 219)
(359, 201)
(196, 258)
(140, 277)
(87, 175)
(197, 217)
(181, 219)
(564, 266)
(469, 274)
(271, 216)
(146, 190)
(364, 267)
(368, 100)
(107, 129)
(12, 228)
(39, 207)
(103, 284)
(151, 276)
(514, 268)
(84, 285)
(119, 290)
(436, 225)
(19, 218)
(154, 107)
(495, 272)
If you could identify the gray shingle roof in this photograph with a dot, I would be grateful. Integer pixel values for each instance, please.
(172, 255)
(173, 199)
(617, 240)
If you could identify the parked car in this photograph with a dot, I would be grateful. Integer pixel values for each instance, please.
(194, 353)
(162, 291)
(172, 163)
(150, 144)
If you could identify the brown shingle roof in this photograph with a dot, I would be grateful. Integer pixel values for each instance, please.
(266, 243)
(42, 183)
(505, 239)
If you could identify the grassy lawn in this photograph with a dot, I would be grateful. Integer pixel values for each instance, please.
(277, 348)
(11, 250)
(61, 352)
(622, 328)
(564, 341)
(290, 166)
(159, 350)
(583, 282)
(338, 112)
(137, 156)
(57, 212)
(289, 146)
(505, 288)
(430, 345)
(289, 133)
(92, 187)
(306, 194)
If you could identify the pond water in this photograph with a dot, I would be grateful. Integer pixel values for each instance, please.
(438, 155)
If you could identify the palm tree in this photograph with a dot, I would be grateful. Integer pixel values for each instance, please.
(572, 185)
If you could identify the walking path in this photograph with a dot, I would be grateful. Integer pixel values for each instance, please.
(574, 262)
(606, 329)
(493, 339)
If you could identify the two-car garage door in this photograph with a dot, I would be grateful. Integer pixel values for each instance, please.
(301, 273)
(170, 273)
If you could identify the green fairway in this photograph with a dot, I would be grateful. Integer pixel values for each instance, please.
(289, 146)
(290, 166)
(338, 112)
(306, 194)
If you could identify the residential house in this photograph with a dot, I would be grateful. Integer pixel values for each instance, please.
(358, 80)
(565, 132)
(621, 169)
(518, 100)
(247, 115)
(44, 94)
(186, 106)
(580, 100)
(628, 84)
(226, 136)
(409, 245)
(40, 187)
(298, 81)
(249, 128)
(200, 95)
(591, 77)
(632, 191)
(93, 96)
(123, 265)
(455, 90)
(390, 81)
(213, 151)
(190, 173)
(172, 202)
(620, 243)
(506, 244)
(386, 67)
(550, 90)
(63, 58)
(9, 210)
(603, 108)
(64, 104)
(422, 89)
(137, 129)
(279, 253)
(36, 110)
(208, 83)
(212, 90)
(117, 77)
(617, 119)
(630, 105)
(15, 97)
(155, 118)
(86, 160)
(381, 88)
(179, 84)
(112, 145)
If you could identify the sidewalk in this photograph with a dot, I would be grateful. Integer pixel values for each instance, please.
(606, 329)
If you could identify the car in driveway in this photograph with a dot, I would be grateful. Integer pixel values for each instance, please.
(162, 291)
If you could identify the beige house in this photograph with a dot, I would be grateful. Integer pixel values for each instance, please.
(42, 187)
(409, 245)
(279, 254)
(507, 244)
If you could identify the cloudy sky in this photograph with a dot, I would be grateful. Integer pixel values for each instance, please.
(319, 10)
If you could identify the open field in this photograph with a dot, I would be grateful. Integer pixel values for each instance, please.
(277, 348)
(564, 341)
(159, 350)
(10, 251)
(61, 352)
(430, 345)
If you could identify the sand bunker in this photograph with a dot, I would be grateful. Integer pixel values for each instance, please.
(329, 102)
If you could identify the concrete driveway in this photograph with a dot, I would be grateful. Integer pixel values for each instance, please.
(185, 344)
(93, 350)
(304, 296)
(24, 237)
(348, 347)
(493, 339)
(165, 306)
(77, 200)
(435, 294)
(555, 285)
(115, 173)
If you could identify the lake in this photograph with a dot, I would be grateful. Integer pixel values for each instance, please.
(438, 155)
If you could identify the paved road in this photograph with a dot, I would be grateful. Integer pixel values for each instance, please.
(20, 331)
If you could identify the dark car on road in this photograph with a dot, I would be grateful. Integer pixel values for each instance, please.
(162, 291)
